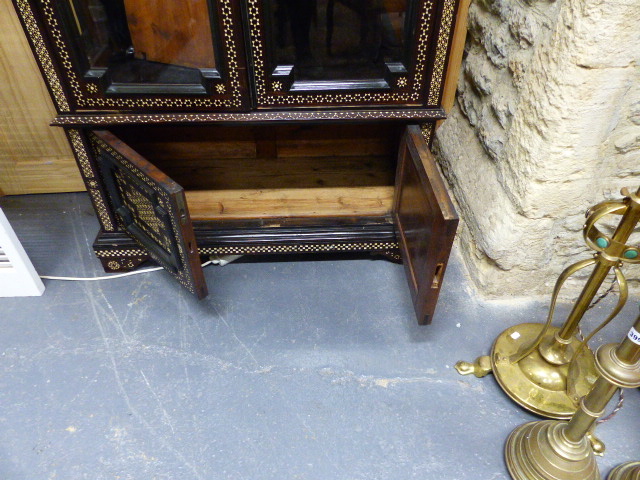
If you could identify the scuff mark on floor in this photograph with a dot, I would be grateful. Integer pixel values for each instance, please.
(368, 381)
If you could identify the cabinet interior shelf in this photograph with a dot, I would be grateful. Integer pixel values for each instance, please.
(267, 172)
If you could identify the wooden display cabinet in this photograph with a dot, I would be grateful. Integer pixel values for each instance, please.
(255, 127)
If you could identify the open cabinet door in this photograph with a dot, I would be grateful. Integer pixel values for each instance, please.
(151, 207)
(425, 222)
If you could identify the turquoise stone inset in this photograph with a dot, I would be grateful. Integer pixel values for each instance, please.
(602, 242)
(631, 254)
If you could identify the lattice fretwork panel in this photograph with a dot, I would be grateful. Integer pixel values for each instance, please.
(152, 219)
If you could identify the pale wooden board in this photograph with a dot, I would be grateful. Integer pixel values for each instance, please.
(34, 157)
(455, 59)
(292, 202)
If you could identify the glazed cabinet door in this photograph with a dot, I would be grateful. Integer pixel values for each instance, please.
(333, 53)
(151, 208)
(139, 55)
(425, 222)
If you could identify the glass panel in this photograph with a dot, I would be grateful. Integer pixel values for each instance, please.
(142, 41)
(340, 39)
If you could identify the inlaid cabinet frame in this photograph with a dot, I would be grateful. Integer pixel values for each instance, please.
(75, 88)
(418, 229)
(418, 83)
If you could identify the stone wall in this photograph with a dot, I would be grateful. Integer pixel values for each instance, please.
(546, 123)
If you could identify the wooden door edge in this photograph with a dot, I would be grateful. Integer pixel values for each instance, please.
(455, 58)
(432, 173)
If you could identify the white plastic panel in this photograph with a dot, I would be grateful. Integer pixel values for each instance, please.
(18, 278)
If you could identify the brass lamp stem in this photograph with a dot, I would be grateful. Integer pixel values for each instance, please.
(600, 272)
(591, 408)
(628, 351)
(555, 350)
(625, 357)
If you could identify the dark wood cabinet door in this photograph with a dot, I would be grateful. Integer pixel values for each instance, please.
(136, 55)
(328, 53)
(425, 222)
(151, 208)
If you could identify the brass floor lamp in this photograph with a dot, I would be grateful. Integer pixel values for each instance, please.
(547, 369)
(560, 450)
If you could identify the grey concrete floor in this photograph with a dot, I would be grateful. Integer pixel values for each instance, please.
(288, 370)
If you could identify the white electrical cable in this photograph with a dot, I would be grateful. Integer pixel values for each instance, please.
(109, 277)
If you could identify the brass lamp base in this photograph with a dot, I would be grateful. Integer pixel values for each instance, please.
(541, 451)
(532, 382)
(626, 471)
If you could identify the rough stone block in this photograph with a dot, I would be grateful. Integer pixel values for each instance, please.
(627, 140)
(545, 126)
